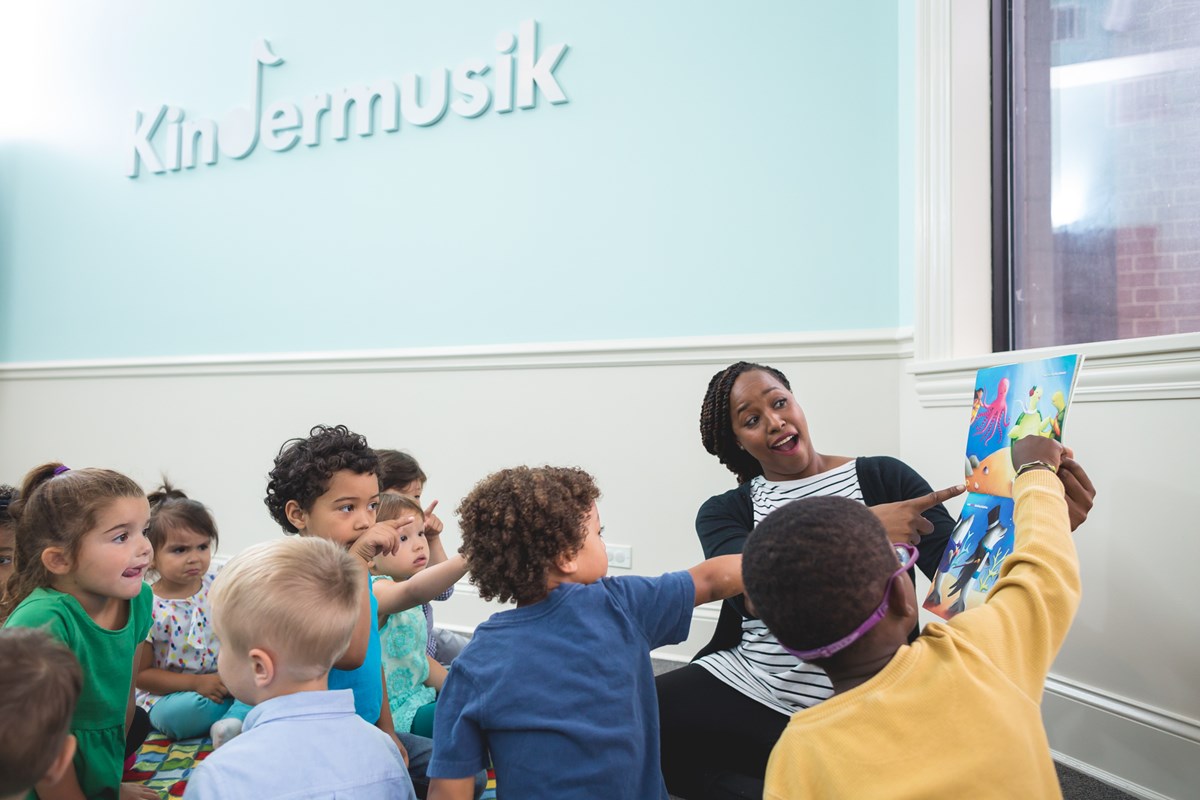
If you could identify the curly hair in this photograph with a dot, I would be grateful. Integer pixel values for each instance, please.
(304, 466)
(716, 424)
(816, 568)
(397, 470)
(171, 509)
(56, 507)
(8, 494)
(517, 523)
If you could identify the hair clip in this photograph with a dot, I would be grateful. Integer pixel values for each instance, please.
(60, 469)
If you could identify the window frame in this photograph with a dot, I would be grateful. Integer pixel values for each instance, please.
(954, 222)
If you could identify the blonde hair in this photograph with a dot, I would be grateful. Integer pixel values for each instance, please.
(299, 597)
(393, 504)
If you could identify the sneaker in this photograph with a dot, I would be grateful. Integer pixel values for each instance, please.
(223, 730)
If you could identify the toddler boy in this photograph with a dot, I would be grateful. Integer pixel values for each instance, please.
(823, 576)
(560, 690)
(40, 683)
(284, 611)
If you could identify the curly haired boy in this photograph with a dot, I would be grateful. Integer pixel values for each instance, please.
(560, 690)
(327, 485)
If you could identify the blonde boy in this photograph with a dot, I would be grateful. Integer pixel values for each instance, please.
(40, 683)
(284, 612)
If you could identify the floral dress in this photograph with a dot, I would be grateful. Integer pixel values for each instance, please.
(181, 637)
(405, 664)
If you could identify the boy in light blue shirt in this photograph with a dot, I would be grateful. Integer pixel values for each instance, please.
(284, 612)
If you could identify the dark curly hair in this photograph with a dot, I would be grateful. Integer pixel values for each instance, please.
(7, 495)
(816, 568)
(397, 469)
(171, 509)
(304, 466)
(518, 522)
(716, 425)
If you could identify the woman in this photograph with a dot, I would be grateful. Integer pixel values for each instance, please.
(722, 714)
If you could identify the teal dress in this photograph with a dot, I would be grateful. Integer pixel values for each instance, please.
(405, 664)
(106, 657)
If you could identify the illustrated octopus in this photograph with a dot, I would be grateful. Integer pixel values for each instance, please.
(994, 417)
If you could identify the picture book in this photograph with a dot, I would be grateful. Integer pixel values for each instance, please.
(1010, 402)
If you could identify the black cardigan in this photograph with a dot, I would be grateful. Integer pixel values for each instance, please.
(725, 521)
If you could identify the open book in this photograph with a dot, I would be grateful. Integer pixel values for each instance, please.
(1010, 402)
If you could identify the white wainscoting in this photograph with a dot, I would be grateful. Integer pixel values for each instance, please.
(1121, 703)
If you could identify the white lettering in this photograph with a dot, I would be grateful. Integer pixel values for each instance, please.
(314, 108)
(278, 118)
(505, 43)
(422, 100)
(476, 97)
(435, 104)
(143, 150)
(199, 135)
(536, 72)
(363, 98)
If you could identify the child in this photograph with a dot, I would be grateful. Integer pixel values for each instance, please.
(987, 665)
(81, 556)
(39, 687)
(8, 535)
(177, 676)
(560, 689)
(284, 611)
(400, 473)
(403, 581)
(327, 486)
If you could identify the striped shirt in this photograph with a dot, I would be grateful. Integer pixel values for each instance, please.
(759, 667)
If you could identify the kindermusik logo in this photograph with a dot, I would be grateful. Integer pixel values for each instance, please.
(516, 77)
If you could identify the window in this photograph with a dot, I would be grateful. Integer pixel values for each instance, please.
(1096, 170)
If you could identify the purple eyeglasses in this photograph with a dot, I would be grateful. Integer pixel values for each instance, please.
(907, 556)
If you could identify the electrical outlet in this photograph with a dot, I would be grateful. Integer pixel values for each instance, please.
(619, 555)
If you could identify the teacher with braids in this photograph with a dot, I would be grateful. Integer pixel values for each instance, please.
(722, 714)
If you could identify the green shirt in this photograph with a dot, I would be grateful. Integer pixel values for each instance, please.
(106, 657)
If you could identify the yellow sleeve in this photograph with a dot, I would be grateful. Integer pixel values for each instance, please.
(1029, 611)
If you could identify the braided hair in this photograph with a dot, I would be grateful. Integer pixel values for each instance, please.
(716, 426)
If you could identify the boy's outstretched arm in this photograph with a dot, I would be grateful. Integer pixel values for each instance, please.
(717, 578)
(426, 585)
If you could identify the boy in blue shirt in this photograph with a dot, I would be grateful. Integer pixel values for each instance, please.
(559, 690)
(284, 610)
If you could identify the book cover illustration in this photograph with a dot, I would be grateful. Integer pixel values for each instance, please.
(1010, 402)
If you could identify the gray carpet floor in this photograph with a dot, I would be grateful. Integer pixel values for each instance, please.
(1075, 785)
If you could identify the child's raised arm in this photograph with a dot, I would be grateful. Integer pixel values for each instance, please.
(397, 596)
(717, 578)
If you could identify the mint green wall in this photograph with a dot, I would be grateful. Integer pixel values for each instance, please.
(721, 168)
(906, 157)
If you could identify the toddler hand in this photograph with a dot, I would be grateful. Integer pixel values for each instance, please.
(210, 686)
(382, 539)
(433, 525)
(138, 791)
(903, 522)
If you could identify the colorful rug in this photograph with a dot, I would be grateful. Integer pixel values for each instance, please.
(165, 765)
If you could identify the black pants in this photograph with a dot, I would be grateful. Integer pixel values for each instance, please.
(715, 740)
(139, 729)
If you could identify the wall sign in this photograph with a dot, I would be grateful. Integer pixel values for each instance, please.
(164, 140)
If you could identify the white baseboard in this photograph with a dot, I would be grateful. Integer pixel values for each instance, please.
(1143, 751)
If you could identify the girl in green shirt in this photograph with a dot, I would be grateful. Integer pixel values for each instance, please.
(81, 555)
